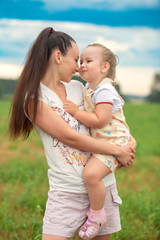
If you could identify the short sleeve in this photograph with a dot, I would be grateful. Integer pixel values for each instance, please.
(108, 94)
(104, 95)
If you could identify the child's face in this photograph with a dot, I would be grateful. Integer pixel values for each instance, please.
(91, 64)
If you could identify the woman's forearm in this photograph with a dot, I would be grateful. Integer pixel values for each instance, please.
(50, 122)
(89, 144)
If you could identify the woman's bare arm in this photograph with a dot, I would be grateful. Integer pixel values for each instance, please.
(50, 122)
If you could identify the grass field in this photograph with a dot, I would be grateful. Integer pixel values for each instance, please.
(24, 183)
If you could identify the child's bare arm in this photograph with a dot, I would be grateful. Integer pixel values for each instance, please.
(70, 107)
(96, 119)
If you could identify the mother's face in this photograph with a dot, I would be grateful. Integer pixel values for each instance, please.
(69, 63)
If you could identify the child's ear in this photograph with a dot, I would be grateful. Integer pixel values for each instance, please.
(106, 67)
(57, 56)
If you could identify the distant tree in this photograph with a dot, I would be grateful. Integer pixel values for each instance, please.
(1, 92)
(7, 86)
(77, 77)
(118, 88)
(154, 95)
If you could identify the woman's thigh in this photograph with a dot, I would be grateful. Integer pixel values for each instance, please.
(64, 214)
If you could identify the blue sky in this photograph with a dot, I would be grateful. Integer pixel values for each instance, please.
(130, 28)
(144, 13)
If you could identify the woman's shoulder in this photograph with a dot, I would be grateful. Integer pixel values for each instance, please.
(48, 96)
(45, 92)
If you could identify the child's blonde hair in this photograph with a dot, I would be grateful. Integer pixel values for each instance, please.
(108, 56)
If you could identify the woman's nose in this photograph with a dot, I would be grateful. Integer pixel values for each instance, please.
(77, 68)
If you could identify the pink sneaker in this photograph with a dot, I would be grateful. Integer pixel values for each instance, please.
(93, 225)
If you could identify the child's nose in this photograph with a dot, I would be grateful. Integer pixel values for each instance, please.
(82, 65)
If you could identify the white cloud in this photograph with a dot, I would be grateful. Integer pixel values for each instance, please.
(10, 71)
(55, 5)
(136, 46)
(138, 49)
(114, 45)
(129, 4)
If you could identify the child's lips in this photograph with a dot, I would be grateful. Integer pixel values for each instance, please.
(83, 71)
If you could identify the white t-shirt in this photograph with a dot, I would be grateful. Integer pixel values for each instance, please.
(66, 163)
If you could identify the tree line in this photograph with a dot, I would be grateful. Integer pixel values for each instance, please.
(154, 95)
(8, 86)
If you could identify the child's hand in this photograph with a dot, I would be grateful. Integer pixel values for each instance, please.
(70, 107)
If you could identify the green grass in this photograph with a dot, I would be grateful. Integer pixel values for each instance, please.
(24, 182)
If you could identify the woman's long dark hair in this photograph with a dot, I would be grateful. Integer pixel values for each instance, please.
(28, 83)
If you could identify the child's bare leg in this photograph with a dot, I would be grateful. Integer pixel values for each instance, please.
(93, 173)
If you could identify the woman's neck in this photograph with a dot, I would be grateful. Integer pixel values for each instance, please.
(51, 80)
(57, 87)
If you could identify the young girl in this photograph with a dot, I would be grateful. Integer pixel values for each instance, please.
(104, 115)
(42, 89)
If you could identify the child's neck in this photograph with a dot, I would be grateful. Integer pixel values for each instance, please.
(94, 84)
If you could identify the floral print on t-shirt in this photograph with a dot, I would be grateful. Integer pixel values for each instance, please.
(67, 154)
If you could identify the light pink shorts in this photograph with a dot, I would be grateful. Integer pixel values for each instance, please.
(66, 212)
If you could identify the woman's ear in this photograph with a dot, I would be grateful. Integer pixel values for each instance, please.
(105, 67)
(57, 56)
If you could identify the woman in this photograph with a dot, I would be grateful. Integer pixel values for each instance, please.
(43, 87)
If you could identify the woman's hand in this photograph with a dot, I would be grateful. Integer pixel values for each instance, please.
(123, 159)
(125, 156)
(132, 143)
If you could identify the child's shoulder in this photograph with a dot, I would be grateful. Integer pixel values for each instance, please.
(108, 86)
